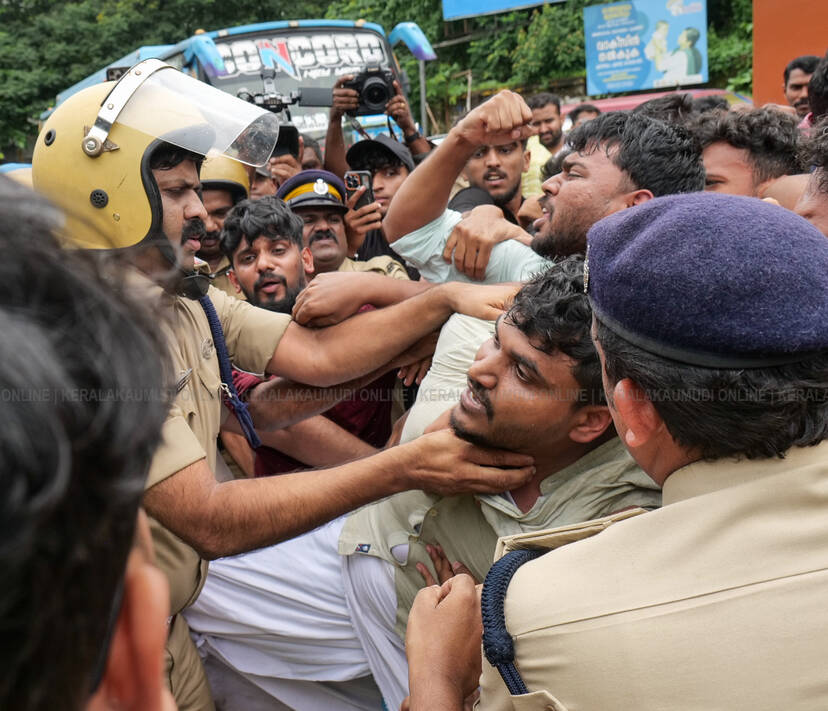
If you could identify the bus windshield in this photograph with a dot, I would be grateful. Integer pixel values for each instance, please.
(302, 58)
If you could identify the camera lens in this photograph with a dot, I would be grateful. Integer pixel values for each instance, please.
(375, 94)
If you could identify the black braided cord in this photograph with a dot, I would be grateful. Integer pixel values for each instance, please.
(497, 642)
(239, 407)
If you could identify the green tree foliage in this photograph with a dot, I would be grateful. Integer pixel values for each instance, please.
(46, 47)
(526, 49)
(552, 46)
(730, 44)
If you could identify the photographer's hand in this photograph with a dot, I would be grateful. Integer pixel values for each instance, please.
(400, 111)
(397, 108)
(285, 166)
(360, 221)
(343, 100)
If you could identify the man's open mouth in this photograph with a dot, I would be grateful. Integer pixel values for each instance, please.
(270, 286)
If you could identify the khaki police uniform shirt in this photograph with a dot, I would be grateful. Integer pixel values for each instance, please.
(192, 426)
(715, 602)
(468, 526)
(382, 264)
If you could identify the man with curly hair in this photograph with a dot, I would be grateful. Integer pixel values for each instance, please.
(813, 203)
(744, 153)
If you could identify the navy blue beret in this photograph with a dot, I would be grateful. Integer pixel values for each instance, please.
(313, 188)
(711, 280)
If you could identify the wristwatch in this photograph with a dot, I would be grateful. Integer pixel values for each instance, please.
(411, 137)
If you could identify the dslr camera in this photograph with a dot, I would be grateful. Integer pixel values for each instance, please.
(375, 87)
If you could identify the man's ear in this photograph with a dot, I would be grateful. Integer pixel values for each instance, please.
(638, 197)
(591, 422)
(641, 420)
(307, 262)
(234, 280)
(527, 159)
(134, 677)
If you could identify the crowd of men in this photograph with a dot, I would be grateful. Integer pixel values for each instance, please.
(588, 368)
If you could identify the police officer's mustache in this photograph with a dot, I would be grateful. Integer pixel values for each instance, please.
(193, 229)
(321, 234)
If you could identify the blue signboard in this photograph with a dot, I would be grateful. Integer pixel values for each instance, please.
(645, 44)
(457, 9)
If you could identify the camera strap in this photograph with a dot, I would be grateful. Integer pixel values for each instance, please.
(357, 126)
(391, 130)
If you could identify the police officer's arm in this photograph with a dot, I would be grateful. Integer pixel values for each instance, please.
(225, 518)
(318, 442)
(369, 340)
(424, 195)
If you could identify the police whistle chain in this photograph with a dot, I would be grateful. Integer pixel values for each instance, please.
(239, 407)
(497, 642)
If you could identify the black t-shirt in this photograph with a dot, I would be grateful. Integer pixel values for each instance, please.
(469, 198)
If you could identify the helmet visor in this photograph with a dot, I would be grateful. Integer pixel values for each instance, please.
(176, 108)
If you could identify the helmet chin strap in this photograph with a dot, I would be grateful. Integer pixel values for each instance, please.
(193, 285)
(190, 284)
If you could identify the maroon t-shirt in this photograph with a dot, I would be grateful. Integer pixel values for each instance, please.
(367, 415)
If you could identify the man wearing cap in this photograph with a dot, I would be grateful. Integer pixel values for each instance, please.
(224, 182)
(389, 163)
(318, 197)
(718, 386)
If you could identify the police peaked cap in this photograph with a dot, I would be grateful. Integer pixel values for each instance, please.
(711, 280)
(313, 188)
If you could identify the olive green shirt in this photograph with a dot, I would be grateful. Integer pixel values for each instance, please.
(467, 527)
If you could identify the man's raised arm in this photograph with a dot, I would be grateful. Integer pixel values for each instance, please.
(424, 195)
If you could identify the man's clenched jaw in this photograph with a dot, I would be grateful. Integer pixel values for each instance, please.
(518, 397)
